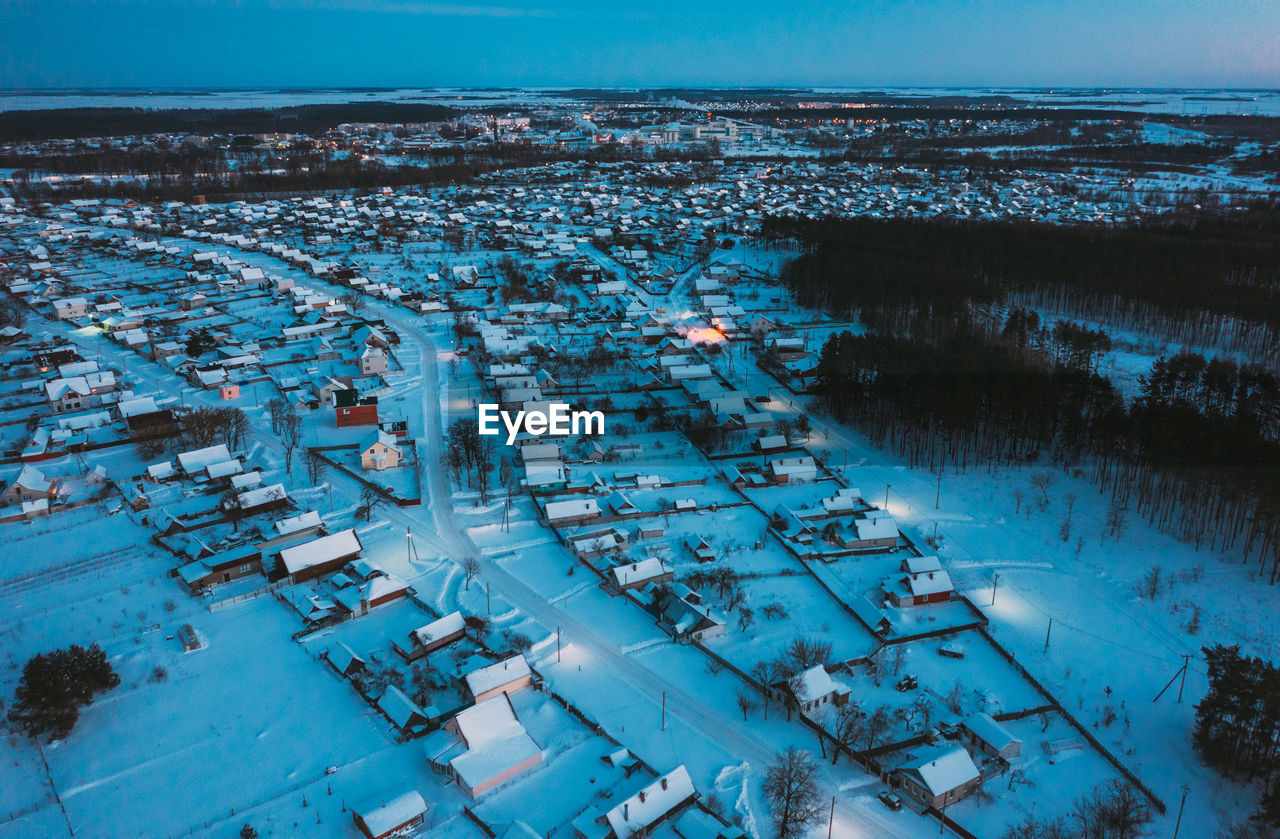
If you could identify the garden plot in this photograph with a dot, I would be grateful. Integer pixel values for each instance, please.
(810, 611)
(573, 764)
(1056, 768)
(980, 682)
(251, 699)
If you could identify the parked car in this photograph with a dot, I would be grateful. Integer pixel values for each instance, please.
(890, 800)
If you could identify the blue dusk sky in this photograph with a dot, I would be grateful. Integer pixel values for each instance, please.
(639, 43)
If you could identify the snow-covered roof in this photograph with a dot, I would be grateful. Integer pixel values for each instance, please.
(881, 526)
(816, 682)
(573, 508)
(986, 729)
(196, 460)
(921, 564)
(942, 770)
(341, 656)
(651, 803)
(318, 551)
(137, 407)
(793, 466)
(645, 569)
(302, 521)
(497, 675)
(400, 708)
(496, 741)
(392, 814)
(931, 582)
(262, 495)
(442, 628)
(33, 479)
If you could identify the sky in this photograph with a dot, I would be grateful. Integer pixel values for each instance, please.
(162, 44)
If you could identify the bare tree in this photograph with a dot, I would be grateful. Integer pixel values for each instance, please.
(470, 567)
(290, 436)
(201, 427)
(791, 789)
(315, 464)
(276, 409)
(745, 704)
(877, 724)
(483, 474)
(238, 428)
(805, 652)
(847, 728)
(767, 673)
(232, 509)
(923, 707)
(1149, 584)
(1115, 520)
(795, 693)
(353, 302)
(1113, 810)
(1043, 481)
(368, 500)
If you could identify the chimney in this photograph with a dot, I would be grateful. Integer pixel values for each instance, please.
(626, 809)
(641, 796)
(664, 781)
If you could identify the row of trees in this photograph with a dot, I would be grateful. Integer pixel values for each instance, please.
(469, 452)
(1196, 453)
(1206, 280)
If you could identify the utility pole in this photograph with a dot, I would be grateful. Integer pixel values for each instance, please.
(664, 710)
(1046, 635)
(832, 817)
(1181, 672)
(557, 645)
(1178, 823)
(937, 501)
(488, 603)
(886, 497)
(1186, 660)
(995, 581)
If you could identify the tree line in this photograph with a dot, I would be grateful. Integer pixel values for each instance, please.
(71, 123)
(950, 374)
(1199, 279)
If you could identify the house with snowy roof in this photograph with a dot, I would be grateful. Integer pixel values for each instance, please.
(572, 511)
(982, 734)
(924, 582)
(319, 556)
(379, 451)
(687, 621)
(939, 777)
(497, 747)
(403, 712)
(637, 575)
(30, 485)
(507, 676)
(791, 470)
(814, 689)
(388, 818)
(436, 635)
(660, 800)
